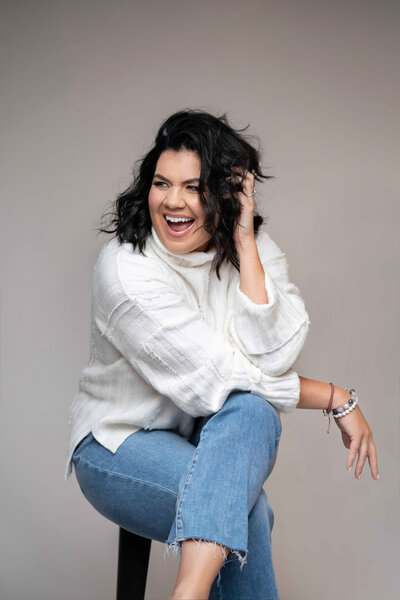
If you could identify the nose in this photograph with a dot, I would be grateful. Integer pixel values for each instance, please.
(175, 198)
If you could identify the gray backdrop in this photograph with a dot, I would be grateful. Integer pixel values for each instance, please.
(85, 86)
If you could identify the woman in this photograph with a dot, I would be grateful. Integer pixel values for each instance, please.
(195, 327)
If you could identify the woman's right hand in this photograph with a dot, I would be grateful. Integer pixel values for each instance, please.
(357, 437)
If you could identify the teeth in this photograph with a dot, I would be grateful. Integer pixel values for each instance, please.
(177, 219)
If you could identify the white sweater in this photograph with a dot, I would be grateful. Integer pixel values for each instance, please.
(169, 341)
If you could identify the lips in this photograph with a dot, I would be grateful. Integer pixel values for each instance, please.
(177, 216)
(173, 233)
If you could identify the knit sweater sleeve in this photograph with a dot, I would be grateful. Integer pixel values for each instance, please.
(271, 335)
(175, 350)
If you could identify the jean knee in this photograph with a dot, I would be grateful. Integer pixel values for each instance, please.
(254, 407)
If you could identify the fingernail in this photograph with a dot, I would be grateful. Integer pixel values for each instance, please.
(349, 468)
(377, 476)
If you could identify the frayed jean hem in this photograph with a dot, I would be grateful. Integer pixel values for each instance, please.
(176, 548)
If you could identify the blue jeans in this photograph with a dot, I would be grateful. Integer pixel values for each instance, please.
(209, 488)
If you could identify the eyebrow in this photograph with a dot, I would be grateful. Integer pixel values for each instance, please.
(194, 180)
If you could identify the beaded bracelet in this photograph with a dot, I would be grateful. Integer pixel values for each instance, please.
(351, 403)
(341, 411)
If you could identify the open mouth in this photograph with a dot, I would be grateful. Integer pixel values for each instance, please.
(179, 228)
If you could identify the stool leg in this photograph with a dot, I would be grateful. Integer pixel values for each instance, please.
(133, 563)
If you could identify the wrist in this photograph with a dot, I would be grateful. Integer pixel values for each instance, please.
(315, 394)
(340, 397)
(347, 399)
(246, 245)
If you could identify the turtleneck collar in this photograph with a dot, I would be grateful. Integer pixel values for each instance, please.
(189, 259)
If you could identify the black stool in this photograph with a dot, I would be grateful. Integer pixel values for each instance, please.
(133, 564)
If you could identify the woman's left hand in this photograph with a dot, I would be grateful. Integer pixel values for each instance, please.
(244, 231)
(357, 438)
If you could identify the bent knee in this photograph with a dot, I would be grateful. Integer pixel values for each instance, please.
(253, 407)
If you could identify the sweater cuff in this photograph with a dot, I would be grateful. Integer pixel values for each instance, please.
(263, 328)
(283, 391)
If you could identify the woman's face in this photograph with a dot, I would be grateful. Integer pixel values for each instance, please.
(174, 192)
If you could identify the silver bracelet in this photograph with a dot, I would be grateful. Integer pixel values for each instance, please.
(351, 403)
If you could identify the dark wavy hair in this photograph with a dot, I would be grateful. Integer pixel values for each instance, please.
(220, 147)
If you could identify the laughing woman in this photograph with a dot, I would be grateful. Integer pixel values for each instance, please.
(195, 327)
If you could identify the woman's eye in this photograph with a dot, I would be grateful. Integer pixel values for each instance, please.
(161, 184)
